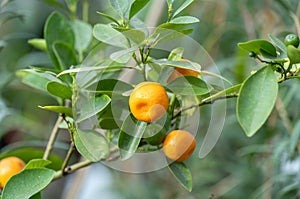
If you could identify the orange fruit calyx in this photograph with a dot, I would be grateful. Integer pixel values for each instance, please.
(148, 101)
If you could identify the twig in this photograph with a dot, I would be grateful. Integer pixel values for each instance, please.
(52, 138)
(204, 103)
(67, 158)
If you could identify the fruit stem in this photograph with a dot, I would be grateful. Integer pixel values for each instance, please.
(52, 138)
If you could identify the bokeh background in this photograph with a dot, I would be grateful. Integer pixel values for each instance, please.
(264, 166)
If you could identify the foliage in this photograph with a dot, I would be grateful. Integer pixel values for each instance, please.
(83, 80)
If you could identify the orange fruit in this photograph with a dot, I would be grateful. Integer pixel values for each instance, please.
(8, 167)
(148, 101)
(178, 72)
(179, 145)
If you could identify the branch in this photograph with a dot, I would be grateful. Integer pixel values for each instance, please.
(52, 138)
(202, 103)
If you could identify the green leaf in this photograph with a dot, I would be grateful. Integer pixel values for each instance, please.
(107, 120)
(182, 174)
(83, 34)
(54, 3)
(27, 154)
(35, 79)
(38, 43)
(293, 54)
(91, 145)
(260, 47)
(136, 36)
(278, 43)
(113, 86)
(59, 109)
(93, 105)
(65, 55)
(58, 29)
(120, 6)
(179, 64)
(109, 35)
(188, 85)
(109, 17)
(36, 196)
(27, 183)
(256, 100)
(182, 7)
(176, 54)
(59, 90)
(137, 6)
(184, 20)
(37, 163)
(123, 56)
(130, 135)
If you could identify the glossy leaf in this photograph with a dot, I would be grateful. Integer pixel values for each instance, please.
(278, 43)
(184, 20)
(185, 4)
(93, 105)
(35, 79)
(37, 163)
(91, 145)
(130, 135)
(27, 183)
(59, 109)
(59, 90)
(293, 54)
(27, 154)
(58, 29)
(182, 174)
(256, 100)
(137, 6)
(109, 35)
(228, 91)
(261, 47)
(83, 34)
(120, 6)
(65, 55)
(188, 85)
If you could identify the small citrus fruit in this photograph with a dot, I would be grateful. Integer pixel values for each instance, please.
(148, 101)
(291, 39)
(178, 72)
(179, 145)
(8, 167)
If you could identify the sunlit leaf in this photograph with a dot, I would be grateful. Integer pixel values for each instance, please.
(293, 54)
(37, 163)
(182, 7)
(120, 6)
(59, 109)
(176, 54)
(65, 55)
(38, 43)
(83, 34)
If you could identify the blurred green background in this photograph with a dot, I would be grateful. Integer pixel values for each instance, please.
(264, 166)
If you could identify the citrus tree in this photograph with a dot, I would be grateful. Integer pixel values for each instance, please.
(127, 91)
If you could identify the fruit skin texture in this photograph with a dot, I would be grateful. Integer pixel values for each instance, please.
(179, 145)
(8, 167)
(291, 39)
(148, 101)
(178, 72)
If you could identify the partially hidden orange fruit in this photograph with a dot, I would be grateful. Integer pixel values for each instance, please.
(178, 72)
(8, 167)
(148, 101)
(179, 145)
